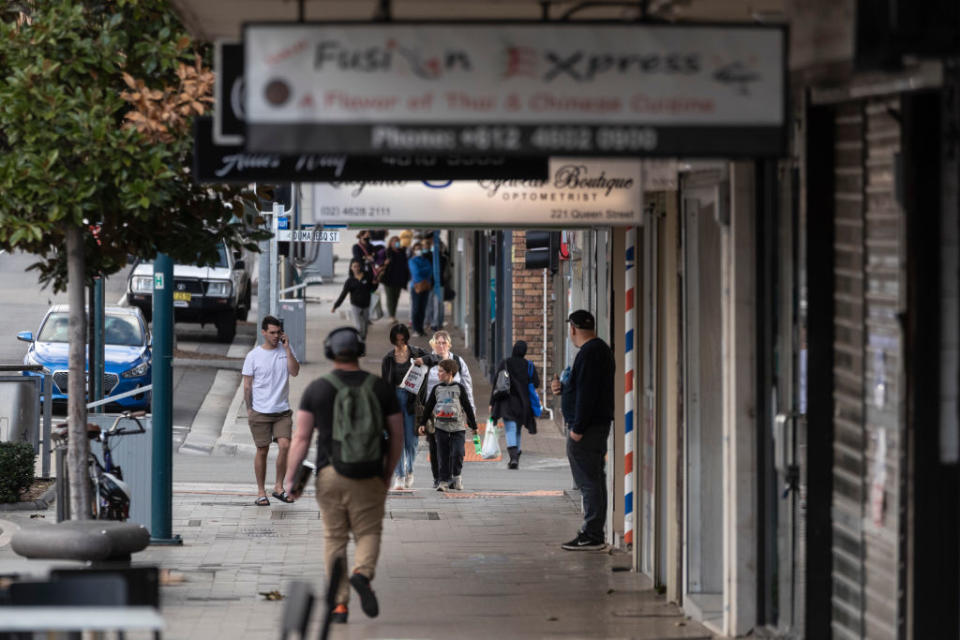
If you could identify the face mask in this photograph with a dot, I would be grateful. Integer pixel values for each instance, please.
(419, 252)
(396, 245)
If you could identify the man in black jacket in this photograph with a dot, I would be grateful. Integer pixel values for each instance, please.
(590, 392)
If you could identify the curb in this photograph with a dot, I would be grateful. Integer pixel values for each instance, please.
(40, 504)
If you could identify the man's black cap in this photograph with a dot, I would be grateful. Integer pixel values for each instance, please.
(582, 319)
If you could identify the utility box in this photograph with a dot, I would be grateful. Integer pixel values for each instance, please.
(134, 455)
(322, 267)
(293, 313)
(20, 409)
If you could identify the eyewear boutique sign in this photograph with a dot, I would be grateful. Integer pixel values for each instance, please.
(579, 193)
(515, 88)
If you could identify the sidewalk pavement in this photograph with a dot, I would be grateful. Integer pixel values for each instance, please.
(474, 564)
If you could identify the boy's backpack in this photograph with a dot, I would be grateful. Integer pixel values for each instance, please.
(357, 429)
(501, 388)
(447, 410)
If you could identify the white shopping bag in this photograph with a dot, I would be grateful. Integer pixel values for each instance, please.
(414, 378)
(491, 443)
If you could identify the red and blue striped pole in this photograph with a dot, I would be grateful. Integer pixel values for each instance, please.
(629, 365)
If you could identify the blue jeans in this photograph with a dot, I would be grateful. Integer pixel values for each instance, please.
(590, 474)
(405, 466)
(513, 432)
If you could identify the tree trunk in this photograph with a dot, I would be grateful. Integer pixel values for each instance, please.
(78, 447)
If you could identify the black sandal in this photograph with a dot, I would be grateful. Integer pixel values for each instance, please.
(282, 497)
(262, 501)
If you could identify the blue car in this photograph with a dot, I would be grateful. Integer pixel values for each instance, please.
(126, 353)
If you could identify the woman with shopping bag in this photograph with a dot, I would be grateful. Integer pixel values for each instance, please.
(510, 401)
(400, 367)
(441, 344)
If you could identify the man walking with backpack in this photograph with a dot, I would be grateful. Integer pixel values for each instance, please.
(351, 410)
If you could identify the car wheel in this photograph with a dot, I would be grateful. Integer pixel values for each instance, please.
(226, 326)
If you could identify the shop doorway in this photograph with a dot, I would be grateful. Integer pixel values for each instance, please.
(703, 395)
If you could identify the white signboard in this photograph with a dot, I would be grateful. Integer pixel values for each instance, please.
(579, 193)
(527, 88)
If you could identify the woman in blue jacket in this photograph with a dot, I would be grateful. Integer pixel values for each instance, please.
(421, 275)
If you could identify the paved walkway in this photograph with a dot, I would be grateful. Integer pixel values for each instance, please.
(481, 563)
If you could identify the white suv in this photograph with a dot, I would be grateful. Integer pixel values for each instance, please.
(218, 295)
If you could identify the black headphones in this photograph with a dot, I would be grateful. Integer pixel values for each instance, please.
(343, 341)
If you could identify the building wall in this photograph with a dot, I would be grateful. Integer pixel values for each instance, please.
(528, 306)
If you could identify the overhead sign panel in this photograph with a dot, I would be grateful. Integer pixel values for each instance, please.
(516, 88)
(224, 163)
(580, 192)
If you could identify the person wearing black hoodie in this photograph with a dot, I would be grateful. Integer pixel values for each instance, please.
(514, 408)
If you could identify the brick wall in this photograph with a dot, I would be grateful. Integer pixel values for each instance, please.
(528, 305)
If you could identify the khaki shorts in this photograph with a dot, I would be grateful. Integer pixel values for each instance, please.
(268, 427)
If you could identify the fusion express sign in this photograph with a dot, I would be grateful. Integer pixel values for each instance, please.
(516, 88)
(580, 192)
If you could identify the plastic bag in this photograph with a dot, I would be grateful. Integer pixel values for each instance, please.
(414, 379)
(491, 443)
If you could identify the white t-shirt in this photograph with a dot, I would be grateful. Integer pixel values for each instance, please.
(271, 382)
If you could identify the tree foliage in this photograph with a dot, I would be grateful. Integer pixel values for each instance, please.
(96, 102)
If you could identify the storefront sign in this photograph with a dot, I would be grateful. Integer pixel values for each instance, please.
(218, 163)
(228, 92)
(579, 193)
(516, 88)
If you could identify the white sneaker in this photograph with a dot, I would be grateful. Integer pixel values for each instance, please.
(443, 486)
(408, 481)
(457, 483)
(397, 483)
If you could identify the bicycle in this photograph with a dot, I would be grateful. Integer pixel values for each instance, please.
(110, 495)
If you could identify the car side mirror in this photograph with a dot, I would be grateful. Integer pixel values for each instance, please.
(239, 265)
(25, 336)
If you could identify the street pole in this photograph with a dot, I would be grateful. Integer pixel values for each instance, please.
(161, 506)
(96, 366)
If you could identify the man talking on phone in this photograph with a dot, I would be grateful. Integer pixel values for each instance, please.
(266, 388)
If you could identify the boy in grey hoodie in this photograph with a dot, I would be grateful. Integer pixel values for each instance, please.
(447, 407)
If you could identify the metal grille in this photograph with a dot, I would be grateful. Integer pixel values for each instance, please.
(62, 379)
(188, 285)
(867, 524)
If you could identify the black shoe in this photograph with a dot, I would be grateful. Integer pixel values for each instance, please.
(339, 614)
(514, 454)
(582, 543)
(436, 483)
(368, 599)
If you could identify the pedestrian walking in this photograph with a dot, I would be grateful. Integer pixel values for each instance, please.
(447, 408)
(441, 343)
(350, 409)
(359, 285)
(266, 385)
(395, 275)
(394, 367)
(369, 255)
(513, 406)
(421, 278)
(588, 400)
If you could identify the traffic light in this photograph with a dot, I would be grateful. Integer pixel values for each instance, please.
(543, 249)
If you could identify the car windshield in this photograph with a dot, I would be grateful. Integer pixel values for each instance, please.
(221, 258)
(118, 329)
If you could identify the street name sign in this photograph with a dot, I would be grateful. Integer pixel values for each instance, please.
(308, 235)
(584, 89)
(581, 192)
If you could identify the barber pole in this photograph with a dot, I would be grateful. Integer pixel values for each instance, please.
(629, 364)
